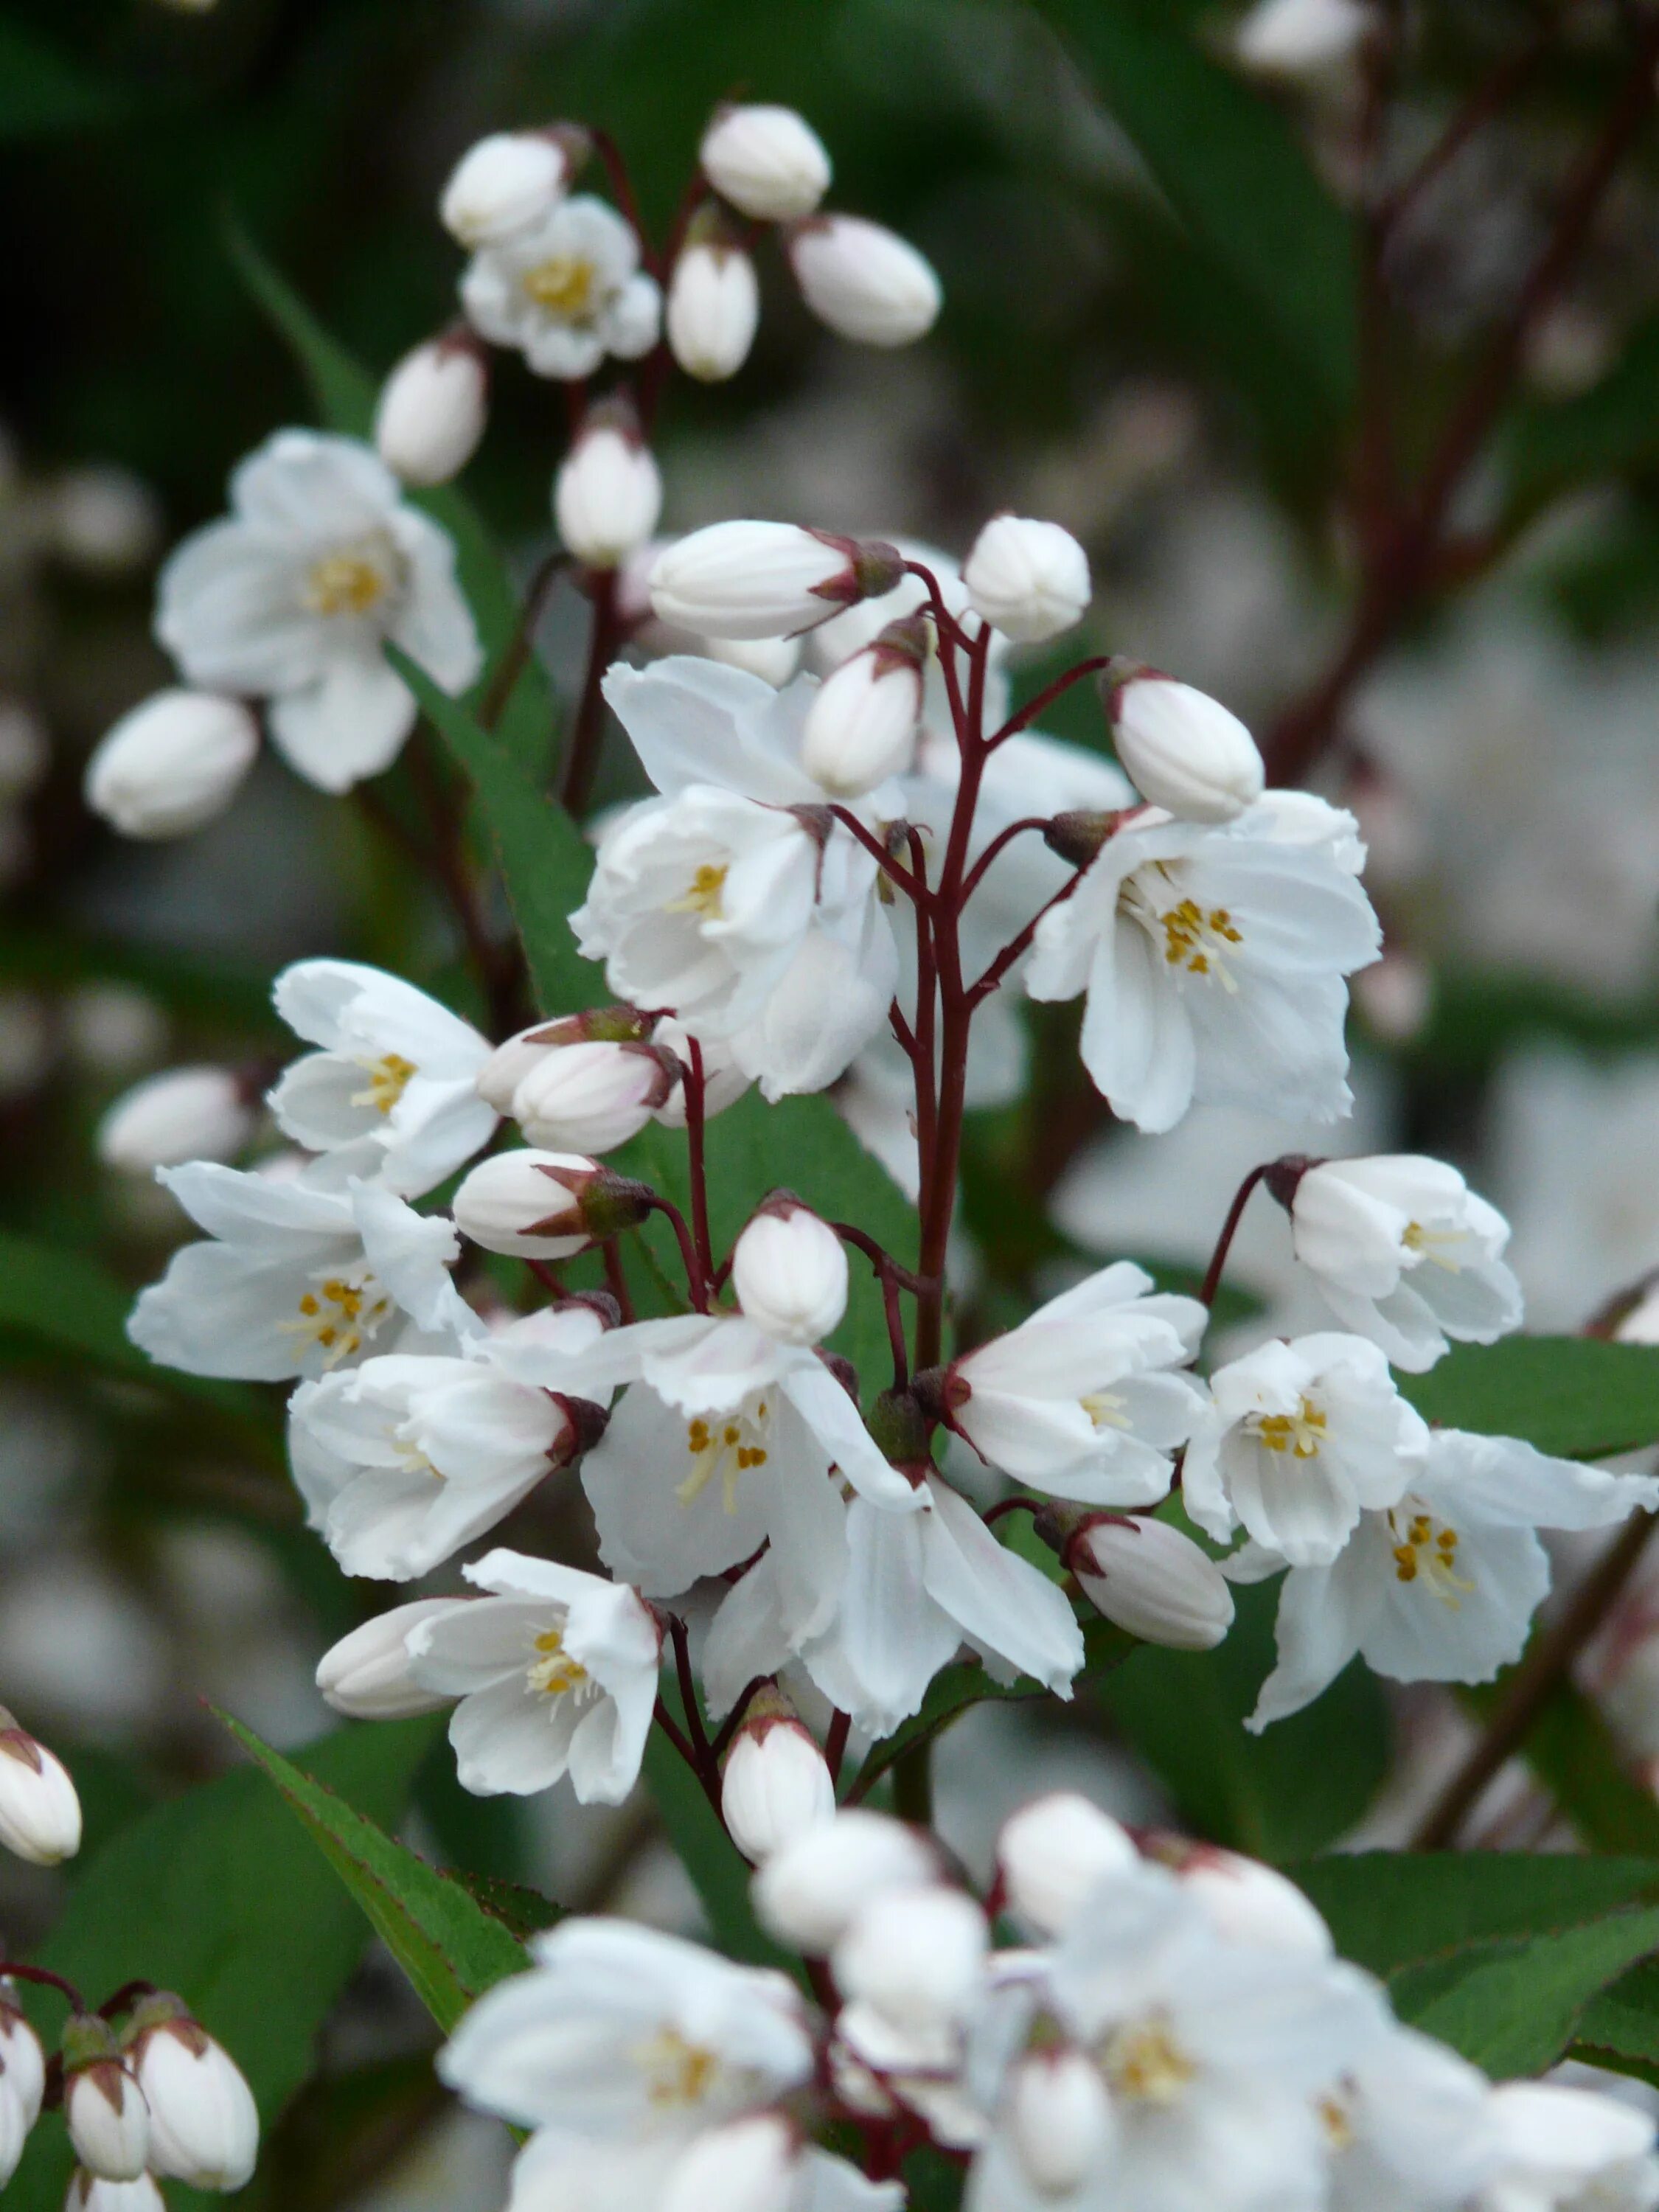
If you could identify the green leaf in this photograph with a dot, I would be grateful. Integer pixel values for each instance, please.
(1233, 172)
(1624, 2020)
(452, 1949)
(209, 1896)
(43, 91)
(1570, 1751)
(1573, 1396)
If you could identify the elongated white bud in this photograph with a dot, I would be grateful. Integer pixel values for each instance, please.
(864, 281)
(39, 1812)
(714, 306)
(15, 2121)
(1180, 749)
(508, 1065)
(861, 726)
(915, 1954)
(1153, 1581)
(23, 2061)
(185, 1114)
(767, 162)
(590, 1098)
(173, 764)
(1029, 578)
(366, 1675)
(204, 2124)
(108, 2119)
(789, 1271)
(545, 1206)
(507, 182)
(1248, 1902)
(1053, 1851)
(774, 1782)
(747, 579)
(90, 2192)
(1059, 2118)
(430, 414)
(810, 1892)
(608, 493)
(746, 2165)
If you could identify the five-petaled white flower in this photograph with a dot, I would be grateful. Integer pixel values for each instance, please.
(565, 292)
(292, 597)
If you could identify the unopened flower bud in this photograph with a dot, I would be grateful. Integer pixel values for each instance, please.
(430, 414)
(366, 1675)
(103, 521)
(173, 764)
(545, 1206)
(746, 2165)
(1302, 39)
(775, 1781)
(1059, 2118)
(1053, 1851)
(507, 182)
(789, 1271)
(915, 1954)
(1181, 749)
(1027, 578)
(766, 579)
(39, 1812)
(1247, 1902)
(608, 493)
(767, 162)
(203, 2124)
(508, 1065)
(861, 726)
(108, 2120)
(713, 304)
(864, 281)
(1153, 1581)
(810, 1892)
(591, 1097)
(23, 2061)
(90, 2192)
(185, 1114)
(16, 2122)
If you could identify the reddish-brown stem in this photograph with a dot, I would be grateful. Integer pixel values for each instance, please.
(695, 1728)
(734, 1720)
(696, 1281)
(545, 1276)
(615, 1278)
(1488, 100)
(504, 682)
(695, 1089)
(1020, 943)
(615, 167)
(1211, 1282)
(835, 1744)
(998, 845)
(15, 1970)
(671, 1729)
(993, 1514)
(582, 761)
(1046, 698)
(444, 866)
(128, 1993)
(914, 887)
(923, 1063)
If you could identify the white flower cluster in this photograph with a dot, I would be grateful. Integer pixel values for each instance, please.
(1171, 2030)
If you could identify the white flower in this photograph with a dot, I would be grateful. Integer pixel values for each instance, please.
(1301, 38)
(1059, 2118)
(1246, 1901)
(862, 727)
(723, 1081)
(39, 1812)
(565, 291)
(767, 162)
(103, 2106)
(774, 1782)
(292, 597)
(172, 764)
(1027, 578)
(395, 1068)
(294, 1280)
(556, 1674)
(864, 281)
(608, 493)
(1082, 1399)
(590, 1097)
(1561, 2150)
(1405, 1253)
(1182, 749)
(1410, 2124)
(1441, 1586)
(765, 580)
(184, 1114)
(536, 1205)
(1213, 960)
(1299, 1438)
(90, 2192)
(505, 183)
(430, 414)
(714, 309)
(810, 1892)
(747, 2166)
(203, 2126)
(915, 1954)
(405, 1459)
(366, 1675)
(1151, 1580)
(789, 1271)
(1051, 1854)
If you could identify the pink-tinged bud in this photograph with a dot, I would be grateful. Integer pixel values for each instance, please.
(714, 303)
(108, 2119)
(864, 281)
(23, 2061)
(809, 1893)
(1182, 749)
(789, 1271)
(1059, 2118)
(1027, 578)
(861, 726)
(1053, 1851)
(590, 1098)
(916, 1954)
(747, 579)
(185, 1114)
(767, 162)
(1151, 1580)
(608, 493)
(39, 1812)
(1248, 1902)
(366, 1675)
(90, 2192)
(173, 765)
(509, 180)
(775, 1781)
(745, 2165)
(430, 414)
(204, 2124)
(545, 1206)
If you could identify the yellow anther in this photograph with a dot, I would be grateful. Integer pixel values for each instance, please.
(345, 584)
(676, 2072)
(388, 1078)
(1427, 1549)
(1299, 1433)
(703, 896)
(556, 1671)
(564, 284)
(1146, 2061)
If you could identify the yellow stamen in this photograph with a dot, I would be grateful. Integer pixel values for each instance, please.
(1299, 1433)
(345, 584)
(388, 1078)
(1433, 1244)
(564, 284)
(676, 2072)
(341, 1315)
(1104, 1410)
(703, 896)
(1427, 1548)
(737, 1446)
(1146, 2061)
(556, 1671)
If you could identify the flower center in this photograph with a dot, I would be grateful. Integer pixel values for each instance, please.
(1144, 2061)
(1104, 1410)
(676, 2072)
(555, 1671)
(341, 1315)
(1425, 1550)
(1300, 1433)
(350, 581)
(1196, 939)
(702, 895)
(387, 1078)
(1336, 2120)
(564, 284)
(1437, 1246)
(727, 1447)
